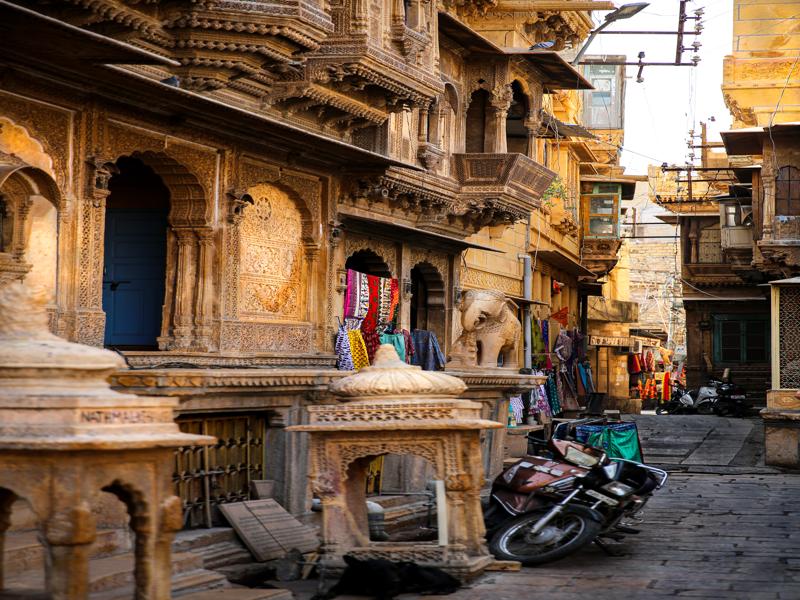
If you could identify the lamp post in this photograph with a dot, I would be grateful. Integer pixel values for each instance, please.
(626, 11)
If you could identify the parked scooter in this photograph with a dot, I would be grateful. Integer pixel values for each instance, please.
(544, 508)
(689, 402)
(719, 396)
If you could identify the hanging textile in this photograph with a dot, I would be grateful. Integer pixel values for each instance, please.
(397, 340)
(427, 353)
(538, 350)
(374, 290)
(517, 408)
(395, 291)
(568, 394)
(579, 344)
(548, 362)
(563, 349)
(619, 440)
(344, 358)
(666, 388)
(552, 395)
(634, 364)
(649, 362)
(409, 346)
(539, 401)
(358, 349)
(561, 316)
(356, 298)
(371, 341)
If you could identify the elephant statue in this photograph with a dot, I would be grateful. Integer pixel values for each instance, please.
(490, 329)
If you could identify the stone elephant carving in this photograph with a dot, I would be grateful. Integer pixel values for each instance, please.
(490, 329)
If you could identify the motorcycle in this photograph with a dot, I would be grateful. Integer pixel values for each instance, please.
(543, 508)
(719, 396)
(689, 402)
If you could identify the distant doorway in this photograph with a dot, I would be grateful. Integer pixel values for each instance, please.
(134, 270)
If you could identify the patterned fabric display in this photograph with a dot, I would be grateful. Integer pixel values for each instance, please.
(358, 349)
(356, 303)
(344, 360)
(374, 292)
(371, 341)
(517, 408)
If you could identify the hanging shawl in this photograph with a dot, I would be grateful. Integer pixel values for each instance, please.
(373, 295)
(538, 350)
(563, 349)
(344, 358)
(548, 363)
(552, 395)
(358, 349)
(356, 300)
(384, 302)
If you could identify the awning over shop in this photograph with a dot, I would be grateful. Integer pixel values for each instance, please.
(388, 229)
(560, 261)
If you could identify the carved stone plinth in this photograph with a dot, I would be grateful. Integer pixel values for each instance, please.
(65, 437)
(393, 407)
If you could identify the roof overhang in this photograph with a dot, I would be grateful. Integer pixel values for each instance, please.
(399, 232)
(557, 73)
(781, 282)
(565, 263)
(76, 66)
(743, 141)
(628, 182)
(465, 36)
(553, 128)
(26, 31)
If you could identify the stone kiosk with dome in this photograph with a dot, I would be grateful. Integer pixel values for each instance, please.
(392, 407)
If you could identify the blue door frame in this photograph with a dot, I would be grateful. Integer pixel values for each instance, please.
(134, 276)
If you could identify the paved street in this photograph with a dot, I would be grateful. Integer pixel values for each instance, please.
(725, 527)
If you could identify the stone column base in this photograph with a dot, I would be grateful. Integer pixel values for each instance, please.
(782, 437)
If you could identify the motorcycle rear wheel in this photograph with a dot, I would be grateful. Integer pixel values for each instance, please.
(574, 528)
(662, 410)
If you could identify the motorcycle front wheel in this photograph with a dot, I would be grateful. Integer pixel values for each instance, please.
(568, 531)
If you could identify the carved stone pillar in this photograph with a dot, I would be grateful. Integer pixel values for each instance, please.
(90, 320)
(496, 127)
(204, 290)
(181, 334)
(768, 185)
(69, 535)
(314, 299)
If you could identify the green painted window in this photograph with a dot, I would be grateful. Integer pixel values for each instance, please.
(741, 339)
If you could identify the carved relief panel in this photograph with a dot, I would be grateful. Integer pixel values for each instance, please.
(272, 257)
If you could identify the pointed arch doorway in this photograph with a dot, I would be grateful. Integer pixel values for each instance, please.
(135, 253)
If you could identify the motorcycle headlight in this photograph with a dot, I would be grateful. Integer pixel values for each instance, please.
(618, 489)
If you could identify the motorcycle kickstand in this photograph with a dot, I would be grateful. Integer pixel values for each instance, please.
(608, 549)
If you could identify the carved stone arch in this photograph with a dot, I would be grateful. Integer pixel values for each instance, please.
(134, 500)
(189, 203)
(355, 457)
(367, 260)
(306, 209)
(28, 145)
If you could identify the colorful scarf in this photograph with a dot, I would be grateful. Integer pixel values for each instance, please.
(344, 361)
(373, 302)
(372, 341)
(358, 349)
(356, 299)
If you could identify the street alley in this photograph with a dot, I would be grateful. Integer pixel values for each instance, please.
(724, 527)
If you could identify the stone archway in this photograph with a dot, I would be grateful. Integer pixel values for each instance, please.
(188, 298)
(428, 310)
(369, 262)
(29, 207)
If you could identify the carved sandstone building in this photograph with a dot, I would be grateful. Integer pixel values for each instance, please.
(189, 182)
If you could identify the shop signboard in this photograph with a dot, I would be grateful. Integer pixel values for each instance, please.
(602, 340)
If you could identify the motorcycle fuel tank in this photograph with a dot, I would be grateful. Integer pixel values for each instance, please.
(533, 472)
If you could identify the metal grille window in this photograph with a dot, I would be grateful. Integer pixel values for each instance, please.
(206, 477)
(789, 338)
(741, 339)
(787, 191)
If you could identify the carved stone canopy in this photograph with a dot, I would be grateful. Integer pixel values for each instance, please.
(390, 377)
(54, 394)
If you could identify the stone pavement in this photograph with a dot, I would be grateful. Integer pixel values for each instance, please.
(724, 527)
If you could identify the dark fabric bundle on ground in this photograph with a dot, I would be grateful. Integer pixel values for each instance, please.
(383, 580)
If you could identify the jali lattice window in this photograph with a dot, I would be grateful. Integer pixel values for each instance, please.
(787, 191)
(789, 338)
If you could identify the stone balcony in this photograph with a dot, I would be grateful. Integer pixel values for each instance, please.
(510, 183)
(600, 255)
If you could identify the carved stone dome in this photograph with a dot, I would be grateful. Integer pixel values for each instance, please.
(390, 376)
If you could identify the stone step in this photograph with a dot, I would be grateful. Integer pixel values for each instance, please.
(110, 572)
(192, 539)
(224, 554)
(23, 551)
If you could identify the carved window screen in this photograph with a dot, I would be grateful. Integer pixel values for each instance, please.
(789, 338)
(787, 191)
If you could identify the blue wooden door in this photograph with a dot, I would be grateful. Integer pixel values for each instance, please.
(133, 275)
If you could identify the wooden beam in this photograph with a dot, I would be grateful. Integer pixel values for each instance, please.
(556, 5)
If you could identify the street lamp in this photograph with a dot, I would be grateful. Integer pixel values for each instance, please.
(626, 11)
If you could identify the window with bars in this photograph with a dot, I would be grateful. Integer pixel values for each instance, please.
(787, 191)
(741, 339)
